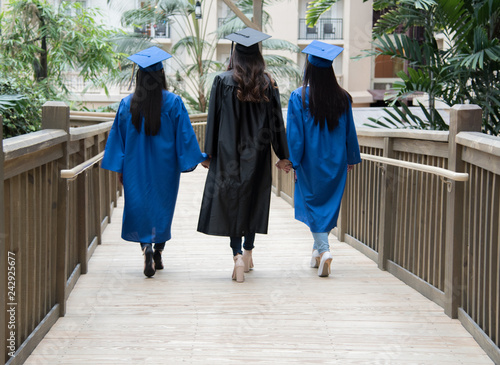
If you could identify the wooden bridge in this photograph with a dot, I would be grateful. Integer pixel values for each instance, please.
(415, 279)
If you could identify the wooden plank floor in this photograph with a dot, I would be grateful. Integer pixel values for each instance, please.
(193, 313)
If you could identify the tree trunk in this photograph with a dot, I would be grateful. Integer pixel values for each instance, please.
(41, 71)
(43, 60)
(203, 102)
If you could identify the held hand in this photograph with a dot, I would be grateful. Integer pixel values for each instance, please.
(284, 165)
(206, 163)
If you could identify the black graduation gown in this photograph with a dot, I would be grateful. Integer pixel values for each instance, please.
(239, 136)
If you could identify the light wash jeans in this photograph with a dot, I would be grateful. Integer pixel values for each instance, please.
(321, 241)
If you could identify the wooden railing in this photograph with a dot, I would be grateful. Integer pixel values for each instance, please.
(49, 226)
(479, 226)
(438, 235)
(81, 119)
(199, 123)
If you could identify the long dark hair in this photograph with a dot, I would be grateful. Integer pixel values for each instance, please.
(147, 100)
(250, 75)
(327, 100)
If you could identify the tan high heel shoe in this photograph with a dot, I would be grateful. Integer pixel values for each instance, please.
(238, 270)
(247, 260)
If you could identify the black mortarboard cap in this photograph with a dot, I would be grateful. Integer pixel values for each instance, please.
(247, 40)
(150, 59)
(322, 54)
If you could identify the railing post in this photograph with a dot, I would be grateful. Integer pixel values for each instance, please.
(462, 118)
(55, 115)
(98, 177)
(385, 236)
(3, 255)
(279, 183)
(279, 177)
(82, 204)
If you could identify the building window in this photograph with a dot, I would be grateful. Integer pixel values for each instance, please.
(329, 25)
(223, 12)
(387, 67)
(160, 29)
(72, 11)
(325, 28)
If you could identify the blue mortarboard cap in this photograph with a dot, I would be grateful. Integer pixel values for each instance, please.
(150, 59)
(322, 54)
(247, 40)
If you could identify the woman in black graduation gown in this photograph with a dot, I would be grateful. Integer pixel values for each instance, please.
(244, 121)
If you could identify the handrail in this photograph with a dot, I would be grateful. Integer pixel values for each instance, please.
(452, 175)
(71, 174)
(202, 117)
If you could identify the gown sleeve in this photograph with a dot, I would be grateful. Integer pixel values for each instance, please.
(186, 144)
(278, 132)
(213, 118)
(294, 130)
(114, 153)
(353, 155)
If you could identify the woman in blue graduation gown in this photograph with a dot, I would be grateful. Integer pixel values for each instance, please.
(150, 143)
(323, 147)
(244, 121)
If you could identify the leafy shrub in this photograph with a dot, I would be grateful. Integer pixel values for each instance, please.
(21, 106)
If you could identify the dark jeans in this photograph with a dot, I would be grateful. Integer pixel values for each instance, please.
(247, 245)
(158, 246)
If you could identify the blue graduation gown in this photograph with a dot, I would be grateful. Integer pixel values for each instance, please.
(151, 167)
(320, 158)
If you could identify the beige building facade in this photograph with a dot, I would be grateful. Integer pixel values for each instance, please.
(347, 24)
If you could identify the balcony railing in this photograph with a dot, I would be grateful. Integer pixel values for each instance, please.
(161, 30)
(328, 28)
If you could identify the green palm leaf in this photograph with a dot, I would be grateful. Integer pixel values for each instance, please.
(189, 42)
(280, 44)
(315, 9)
(10, 101)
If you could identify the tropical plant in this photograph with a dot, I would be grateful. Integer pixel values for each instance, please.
(9, 101)
(39, 44)
(51, 40)
(315, 9)
(402, 117)
(191, 78)
(465, 70)
(20, 107)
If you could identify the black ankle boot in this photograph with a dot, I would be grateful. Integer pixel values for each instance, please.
(158, 261)
(149, 267)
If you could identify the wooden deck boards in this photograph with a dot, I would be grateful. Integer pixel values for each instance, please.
(193, 313)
